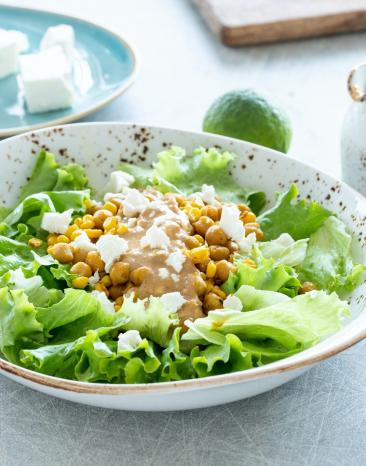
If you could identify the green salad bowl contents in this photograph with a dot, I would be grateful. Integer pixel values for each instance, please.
(159, 263)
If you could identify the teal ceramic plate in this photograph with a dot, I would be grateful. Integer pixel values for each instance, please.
(104, 68)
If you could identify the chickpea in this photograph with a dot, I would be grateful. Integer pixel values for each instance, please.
(115, 291)
(100, 287)
(203, 224)
(100, 216)
(223, 269)
(306, 287)
(243, 208)
(211, 302)
(106, 280)
(138, 275)
(215, 236)
(82, 269)
(212, 212)
(254, 228)
(94, 260)
(62, 252)
(191, 242)
(218, 253)
(232, 246)
(199, 285)
(119, 273)
(79, 254)
(35, 242)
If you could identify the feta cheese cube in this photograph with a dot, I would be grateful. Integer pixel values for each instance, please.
(104, 301)
(46, 80)
(8, 54)
(111, 248)
(21, 40)
(55, 222)
(61, 35)
(176, 260)
(119, 180)
(155, 238)
(129, 341)
(134, 203)
(172, 301)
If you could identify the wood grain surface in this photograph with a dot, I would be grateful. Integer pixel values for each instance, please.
(241, 22)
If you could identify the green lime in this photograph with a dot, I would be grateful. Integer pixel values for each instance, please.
(245, 114)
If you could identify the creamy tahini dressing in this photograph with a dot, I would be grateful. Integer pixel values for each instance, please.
(163, 212)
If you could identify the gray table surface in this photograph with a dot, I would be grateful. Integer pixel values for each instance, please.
(318, 419)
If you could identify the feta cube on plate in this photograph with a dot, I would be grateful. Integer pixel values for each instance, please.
(46, 80)
(8, 54)
(62, 35)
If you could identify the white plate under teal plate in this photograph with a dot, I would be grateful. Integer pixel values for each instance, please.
(104, 68)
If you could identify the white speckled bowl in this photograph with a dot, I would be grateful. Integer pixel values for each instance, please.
(99, 147)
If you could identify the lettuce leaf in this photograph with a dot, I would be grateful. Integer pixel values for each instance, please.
(19, 326)
(328, 262)
(77, 312)
(295, 324)
(284, 250)
(14, 254)
(298, 219)
(150, 318)
(219, 359)
(253, 299)
(94, 359)
(30, 211)
(189, 172)
(175, 365)
(266, 276)
(48, 176)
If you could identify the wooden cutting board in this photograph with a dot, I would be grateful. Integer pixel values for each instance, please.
(239, 22)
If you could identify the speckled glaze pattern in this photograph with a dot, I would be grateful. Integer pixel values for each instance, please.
(353, 147)
(100, 147)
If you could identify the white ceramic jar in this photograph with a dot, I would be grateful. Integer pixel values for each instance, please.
(353, 138)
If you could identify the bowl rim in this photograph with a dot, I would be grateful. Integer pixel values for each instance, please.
(125, 84)
(299, 361)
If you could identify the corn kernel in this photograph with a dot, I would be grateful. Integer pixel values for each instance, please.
(196, 204)
(78, 221)
(111, 207)
(199, 238)
(35, 242)
(194, 213)
(93, 233)
(211, 269)
(62, 239)
(88, 203)
(50, 250)
(70, 230)
(199, 255)
(122, 229)
(80, 282)
(250, 263)
(51, 240)
(75, 234)
(249, 217)
(87, 224)
(109, 223)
